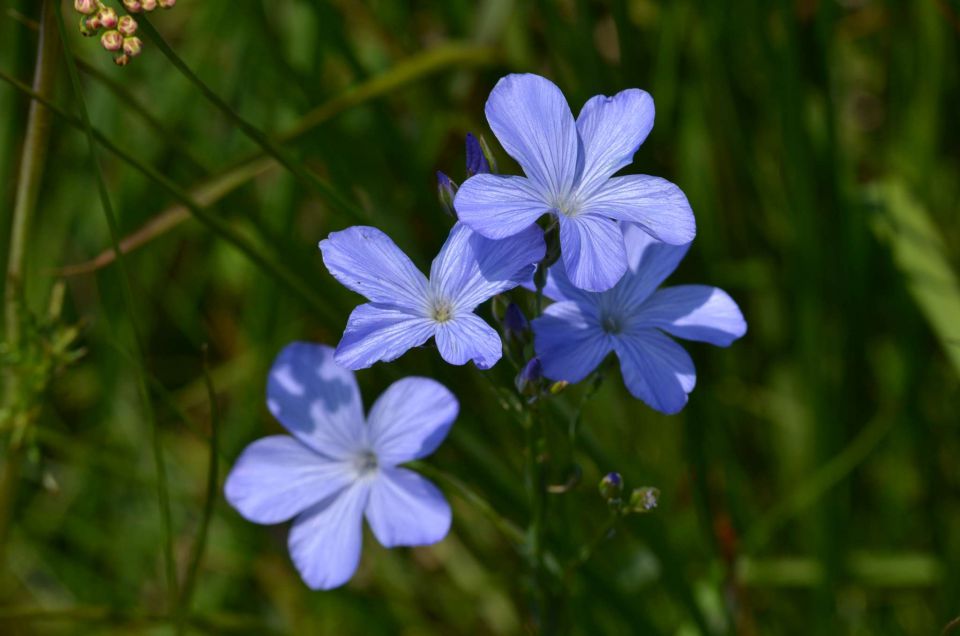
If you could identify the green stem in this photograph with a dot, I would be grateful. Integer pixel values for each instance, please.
(32, 163)
(163, 495)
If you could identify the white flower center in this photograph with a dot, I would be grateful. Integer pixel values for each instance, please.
(441, 310)
(365, 463)
(566, 204)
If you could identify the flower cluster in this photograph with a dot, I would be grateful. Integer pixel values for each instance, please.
(117, 33)
(597, 245)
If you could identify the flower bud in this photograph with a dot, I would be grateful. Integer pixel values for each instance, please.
(133, 6)
(558, 387)
(529, 377)
(168, 4)
(86, 7)
(446, 190)
(643, 499)
(88, 26)
(148, 5)
(121, 60)
(488, 155)
(108, 18)
(127, 26)
(611, 486)
(112, 40)
(132, 46)
(515, 324)
(476, 161)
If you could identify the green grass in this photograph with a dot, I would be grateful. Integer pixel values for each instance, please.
(810, 486)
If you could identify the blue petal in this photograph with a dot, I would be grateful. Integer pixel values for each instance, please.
(569, 341)
(695, 312)
(655, 204)
(470, 268)
(365, 260)
(592, 250)
(277, 477)
(376, 333)
(650, 262)
(325, 540)
(655, 369)
(410, 419)
(406, 510)
(531, 119)
(316, 399)
(497, 206)
(476, 160)
(467, 337)
(611, 129)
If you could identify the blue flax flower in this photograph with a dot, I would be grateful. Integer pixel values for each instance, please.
(340, 467)
(569, 166)
(576, 333)
(406, 309)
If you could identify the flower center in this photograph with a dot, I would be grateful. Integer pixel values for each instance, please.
(611, 324)
(441, 311)
(566, 205)
(365, 463)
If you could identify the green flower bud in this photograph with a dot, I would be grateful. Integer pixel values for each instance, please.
(558, 387)
(611, 486)
(643, 499)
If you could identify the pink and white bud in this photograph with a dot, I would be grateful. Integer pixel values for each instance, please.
(122, 60)
(92, 24)
(108, 18)
(148, 5)
(132, 46)
(133, 6)
(168, 4)
(127, 26)
(86, 7)
(86, 31)
(112, 40)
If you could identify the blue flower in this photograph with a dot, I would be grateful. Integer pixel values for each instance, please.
(569, 166)
(406, 309)
(340, 467)
(576, 333)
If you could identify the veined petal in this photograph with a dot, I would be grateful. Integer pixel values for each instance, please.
(655, 204)
(531, 119)
(611, 129)
(325, 540)
(316, 399)
(376, 333)
(367, 261)
(499, 206)
(569, 341)
(592, 251)
(467, 337)
(655, 369)
(410, 419)
(695, 312)
(650, 262)
(470, 268)
(277, 477)
(406, 510)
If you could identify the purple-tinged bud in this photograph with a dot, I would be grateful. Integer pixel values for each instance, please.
(514, 322)
(133, 6)
(529, 377)
(476, 161)
(112, 40)
(168, 4)
(121, 60)
(446, 191)
(611, 486)
(108, 18)
(644, 499)
(86, 7)
(132, 46)
(127, 26)
(148, 5)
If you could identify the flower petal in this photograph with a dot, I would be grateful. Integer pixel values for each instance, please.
(695, 312)
(277, 477)
(406, 510)
(531, 119)
(499, 206)
(470, 268)
(655, 369)
(650, 262)
(655, 204)
(410, 419)
(316, 399)
(592, 251)
(467, 337)
(325, 540)
(611, 129)
(376, 333)
(569, 341)
(367, 261)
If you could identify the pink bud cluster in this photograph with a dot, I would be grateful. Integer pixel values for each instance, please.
(117, 33)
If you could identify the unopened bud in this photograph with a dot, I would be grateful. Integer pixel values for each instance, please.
(611, 486)
(488, 155)
(148, 5)
(558, 387)
(644, 499)
(86, 29)
(446, 191)
(529, 377)
(108, 18)
(132, 46)
(121, 60)
(168, 4)
(86, 7)
(112, 40)
(133, 6)
(476, 161)
(127, 26)
(515, 324)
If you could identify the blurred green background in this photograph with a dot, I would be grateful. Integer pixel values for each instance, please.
(811, 486)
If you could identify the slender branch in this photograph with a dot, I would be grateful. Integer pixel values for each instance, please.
(163, 495)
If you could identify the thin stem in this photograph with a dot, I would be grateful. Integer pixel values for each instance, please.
(603, 533)
(163, 495)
